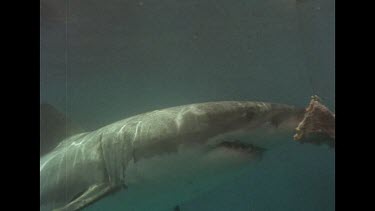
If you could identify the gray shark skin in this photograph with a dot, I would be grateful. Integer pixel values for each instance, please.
(86, 167)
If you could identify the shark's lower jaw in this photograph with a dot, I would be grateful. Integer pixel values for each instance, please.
(229, 153)
(193, 161)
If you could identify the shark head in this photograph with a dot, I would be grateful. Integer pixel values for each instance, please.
(249, 115)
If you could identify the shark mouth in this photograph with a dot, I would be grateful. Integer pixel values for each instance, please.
(242, 147)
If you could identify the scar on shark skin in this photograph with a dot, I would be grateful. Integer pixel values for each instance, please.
(318, 119)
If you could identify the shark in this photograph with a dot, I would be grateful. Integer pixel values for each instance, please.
(189, 143)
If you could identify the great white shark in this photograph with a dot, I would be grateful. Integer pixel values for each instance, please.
(168, 144)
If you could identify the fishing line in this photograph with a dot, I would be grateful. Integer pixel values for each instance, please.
(300, 12)
(66, 85)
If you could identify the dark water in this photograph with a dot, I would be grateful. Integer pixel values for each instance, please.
(117, 58)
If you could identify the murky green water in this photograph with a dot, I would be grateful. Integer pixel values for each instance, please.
(114, 59)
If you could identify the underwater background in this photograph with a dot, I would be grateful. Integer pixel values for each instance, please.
(102, 61)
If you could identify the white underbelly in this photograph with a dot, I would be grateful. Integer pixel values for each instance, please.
(162, 181)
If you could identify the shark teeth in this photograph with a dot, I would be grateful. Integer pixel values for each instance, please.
(238, 145)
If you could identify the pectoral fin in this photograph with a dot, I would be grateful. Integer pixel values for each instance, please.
(91, 195)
